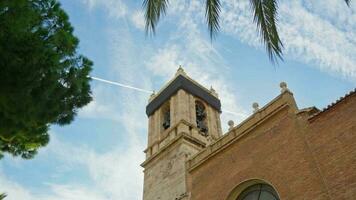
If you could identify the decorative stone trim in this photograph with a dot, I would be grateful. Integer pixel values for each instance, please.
(188, 132)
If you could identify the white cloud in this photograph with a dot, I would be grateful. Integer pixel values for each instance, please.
(138, 19)
(114, 8)
(16, 191)
(311, 38)
(118, 9)
(115, 174)
(72, 192)
(102, 105)
(236, 20)
(320, 33)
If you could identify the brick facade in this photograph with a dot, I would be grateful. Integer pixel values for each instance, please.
(303, 156)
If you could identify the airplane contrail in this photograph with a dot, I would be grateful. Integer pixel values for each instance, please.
(121, 85)
(233, 113)
(145, 91)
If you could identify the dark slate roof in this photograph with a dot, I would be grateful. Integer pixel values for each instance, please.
(181, 82)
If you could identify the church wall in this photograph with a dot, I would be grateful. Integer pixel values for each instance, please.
(332, 140)
(274, 151)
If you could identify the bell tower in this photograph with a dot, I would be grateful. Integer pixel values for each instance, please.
(183, 117)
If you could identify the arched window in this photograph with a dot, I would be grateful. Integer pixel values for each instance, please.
(258, 192)
(200, 113)
(166, 116)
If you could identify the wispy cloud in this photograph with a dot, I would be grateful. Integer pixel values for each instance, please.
(112, 174)
(114, 8)
(309, 37)
(138, 19)
(102, 105)
(315, 32)
(312, 31)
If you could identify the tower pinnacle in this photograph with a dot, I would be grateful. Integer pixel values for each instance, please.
(180, 71)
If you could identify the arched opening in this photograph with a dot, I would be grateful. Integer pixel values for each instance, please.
(253, 189)
(166, 116)
(258, 192)
(201, 116)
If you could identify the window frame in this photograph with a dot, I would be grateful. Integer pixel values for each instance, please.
(259, 187)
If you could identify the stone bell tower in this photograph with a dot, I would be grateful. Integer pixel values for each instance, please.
(184, 117)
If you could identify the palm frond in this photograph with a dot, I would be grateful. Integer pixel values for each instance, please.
(153, 11)
(2, 196)
(348, 2)
(212, 11)
(265, 12)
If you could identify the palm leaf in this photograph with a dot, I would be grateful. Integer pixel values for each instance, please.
(2, 196)
(265, 15)
(348, 2)
(154, 9)
(265, 12)
(212, 11)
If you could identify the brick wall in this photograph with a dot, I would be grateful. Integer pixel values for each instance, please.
(303, 159)
(332, 140)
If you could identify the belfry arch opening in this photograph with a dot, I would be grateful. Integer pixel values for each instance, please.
(166, 116)
(254, 190)
(201, 117)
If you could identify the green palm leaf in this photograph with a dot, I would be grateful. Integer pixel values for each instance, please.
(348, 2)
(265, 16)
(265, 12)
(154, 9)
(2, 196)
(212, 11)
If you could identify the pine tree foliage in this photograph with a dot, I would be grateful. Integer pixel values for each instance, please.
(265, 16)
(43, 80)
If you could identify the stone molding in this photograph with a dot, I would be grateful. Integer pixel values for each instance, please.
(181, 131)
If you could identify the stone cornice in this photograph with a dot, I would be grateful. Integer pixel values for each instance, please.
(180, 137)
(170, 129)
(187, 84)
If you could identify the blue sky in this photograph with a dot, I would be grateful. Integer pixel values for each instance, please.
(98, 155)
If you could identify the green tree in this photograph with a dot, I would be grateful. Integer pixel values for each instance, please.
(265, 16)
(2, 196)
(43, 80)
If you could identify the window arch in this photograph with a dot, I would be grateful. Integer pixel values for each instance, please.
(200, 114)
(166, 116)
(258, 192)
